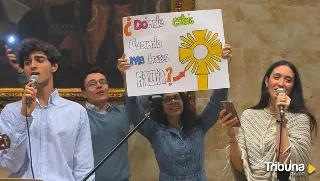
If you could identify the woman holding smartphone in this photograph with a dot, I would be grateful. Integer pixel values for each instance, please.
(258, 141)
(175, 132)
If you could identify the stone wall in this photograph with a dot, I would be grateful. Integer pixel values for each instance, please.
(262, 32)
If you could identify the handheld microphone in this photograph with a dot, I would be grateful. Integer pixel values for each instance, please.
(279, 91)
(34, 79)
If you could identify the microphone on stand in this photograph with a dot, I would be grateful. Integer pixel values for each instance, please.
(279, 91)
(155, 101)
(282, 176)
(34, 79)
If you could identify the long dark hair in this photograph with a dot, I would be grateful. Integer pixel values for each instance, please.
(297, 104)
(188, 115)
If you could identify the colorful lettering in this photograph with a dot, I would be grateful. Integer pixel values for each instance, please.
(136, 60)
(148, 23)
(169, 71)
(138, 25)
(182, 20)
(126, 27)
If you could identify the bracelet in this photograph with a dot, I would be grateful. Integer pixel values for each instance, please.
(285, 152)
(231, 142)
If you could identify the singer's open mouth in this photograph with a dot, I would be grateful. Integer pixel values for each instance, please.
(35, 73)
(100, 92)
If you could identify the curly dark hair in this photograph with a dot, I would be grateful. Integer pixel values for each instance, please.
(188, 115)
(31, 45)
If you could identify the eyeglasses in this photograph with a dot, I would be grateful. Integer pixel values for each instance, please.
(94, 83)
(169, 99)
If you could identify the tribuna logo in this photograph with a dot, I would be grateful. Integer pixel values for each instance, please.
(276, 166)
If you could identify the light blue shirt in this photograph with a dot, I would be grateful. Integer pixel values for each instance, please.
(60, 141)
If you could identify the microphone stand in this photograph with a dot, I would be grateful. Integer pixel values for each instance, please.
(281, 121)
(282, 176)
(147, 116)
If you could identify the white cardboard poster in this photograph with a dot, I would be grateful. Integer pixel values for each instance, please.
(175, 52)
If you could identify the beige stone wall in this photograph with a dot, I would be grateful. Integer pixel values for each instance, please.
(261, 32)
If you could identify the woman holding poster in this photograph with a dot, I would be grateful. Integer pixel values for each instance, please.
(175, 132)
(255, 153)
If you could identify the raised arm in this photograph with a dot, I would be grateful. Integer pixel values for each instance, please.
(136, 113)
(143, 101)
(237, 143)
(13, 62)
(210, 114)
(14, 125)
(83, 156)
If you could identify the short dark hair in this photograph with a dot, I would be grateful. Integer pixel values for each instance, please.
(297, 104)
(91, 70)
(31, 45)
(188, 115)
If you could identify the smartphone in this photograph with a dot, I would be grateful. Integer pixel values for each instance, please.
(14, 61)
(228, 105)
(3, 49)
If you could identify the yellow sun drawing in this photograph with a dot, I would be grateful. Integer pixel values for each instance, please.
(201, 66)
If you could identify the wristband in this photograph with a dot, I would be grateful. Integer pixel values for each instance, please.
(231, 142)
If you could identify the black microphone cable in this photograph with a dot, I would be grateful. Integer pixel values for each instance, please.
(33, 78)
(29, 142)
